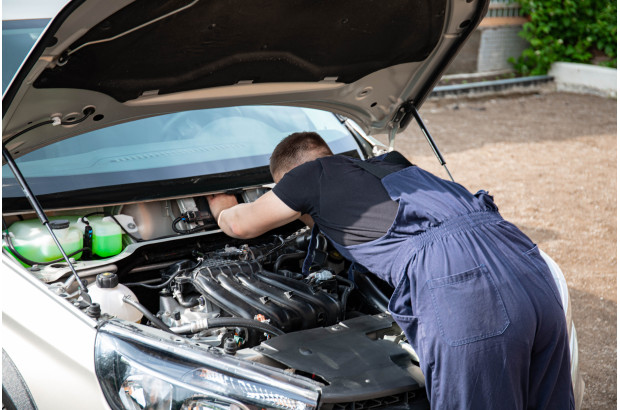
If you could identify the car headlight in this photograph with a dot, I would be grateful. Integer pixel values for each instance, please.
(142, 370)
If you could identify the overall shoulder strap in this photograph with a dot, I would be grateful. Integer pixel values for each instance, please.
(305, 269)
(380, 172)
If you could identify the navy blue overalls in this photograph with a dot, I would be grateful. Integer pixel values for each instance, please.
(473, 296)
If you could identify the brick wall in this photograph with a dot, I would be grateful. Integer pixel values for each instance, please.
(497, 44)
(493, 42)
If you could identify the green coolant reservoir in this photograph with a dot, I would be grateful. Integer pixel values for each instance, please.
(107, 235)
(33, 241)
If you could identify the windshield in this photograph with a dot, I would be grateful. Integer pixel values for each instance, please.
(18, 37)
(180, 145)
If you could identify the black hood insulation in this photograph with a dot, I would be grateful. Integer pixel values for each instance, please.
(224, 42)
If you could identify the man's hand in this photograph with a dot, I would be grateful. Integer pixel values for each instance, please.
(219, 202)
(252, 219)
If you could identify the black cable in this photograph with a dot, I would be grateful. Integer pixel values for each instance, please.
(32, 127)
(125, 230)
(115, 220)
(186, 231)
(174, 224)
(160, 286)
(91, 214)
(176, 265)
(154, 319)
(87, 113)
(177, 220)
(276, 248)
(153, 239)
(27, 261)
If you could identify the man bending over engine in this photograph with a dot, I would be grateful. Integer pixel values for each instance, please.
(472, 293)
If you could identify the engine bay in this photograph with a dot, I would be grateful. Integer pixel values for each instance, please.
(179, 273)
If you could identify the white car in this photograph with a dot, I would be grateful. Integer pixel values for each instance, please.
(120, 120)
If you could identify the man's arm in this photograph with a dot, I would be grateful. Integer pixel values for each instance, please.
(307, 219)
(250, 220)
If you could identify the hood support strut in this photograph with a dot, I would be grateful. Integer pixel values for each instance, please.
(41, 214)
(405, 114)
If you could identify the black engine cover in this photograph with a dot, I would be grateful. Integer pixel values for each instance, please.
(355, 365)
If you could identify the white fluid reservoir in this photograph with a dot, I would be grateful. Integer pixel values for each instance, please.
(109, 294)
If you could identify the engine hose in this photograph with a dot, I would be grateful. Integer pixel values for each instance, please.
(190, 303)
(203, 324)
(345, 293)
(286, 257)
(27, 261)
(154, 319)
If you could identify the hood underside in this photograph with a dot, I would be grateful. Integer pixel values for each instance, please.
(128, 60)
(223, 43)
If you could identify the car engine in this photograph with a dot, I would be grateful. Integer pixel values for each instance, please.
(252, 301)
(249, 299)
(233, 282)
(259, 282)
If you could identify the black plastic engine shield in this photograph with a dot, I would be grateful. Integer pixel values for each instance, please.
(355, 366)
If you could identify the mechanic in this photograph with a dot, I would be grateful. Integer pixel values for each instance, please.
(472, 293)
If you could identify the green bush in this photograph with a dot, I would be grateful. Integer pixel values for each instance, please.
(581, 31)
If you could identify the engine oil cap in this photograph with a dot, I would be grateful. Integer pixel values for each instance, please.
(107, 280)
(59, 224)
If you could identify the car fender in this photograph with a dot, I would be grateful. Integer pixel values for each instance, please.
(50, 342)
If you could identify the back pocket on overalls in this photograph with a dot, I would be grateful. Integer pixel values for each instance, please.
(468, 306)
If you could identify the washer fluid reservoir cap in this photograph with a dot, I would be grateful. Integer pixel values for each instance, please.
(59, 224)
(107, 280)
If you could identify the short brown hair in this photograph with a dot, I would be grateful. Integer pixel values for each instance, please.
(296, 149)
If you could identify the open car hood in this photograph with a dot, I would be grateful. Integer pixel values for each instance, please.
(126, 60)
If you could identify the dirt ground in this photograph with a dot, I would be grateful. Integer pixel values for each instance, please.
(549, 159)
